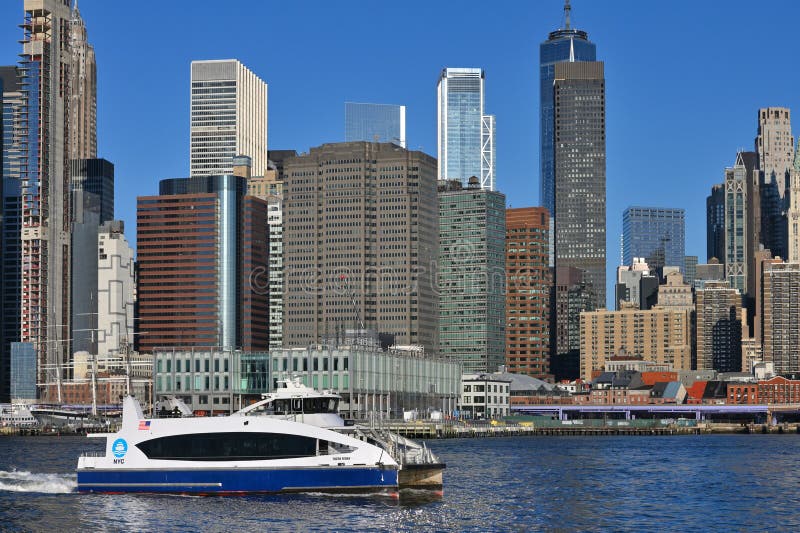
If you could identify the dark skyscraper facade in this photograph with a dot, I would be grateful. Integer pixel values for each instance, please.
(95, 177)
(580, 171)
(563, 45)
(715, 223)
(11, 102)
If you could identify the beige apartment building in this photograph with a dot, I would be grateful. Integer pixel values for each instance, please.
(781, 320)
(657, 335)
(361, 237)
(228, 118)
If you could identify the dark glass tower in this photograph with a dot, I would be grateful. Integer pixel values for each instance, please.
(95, 177)
(715, 223)
(563, 45)
(580, 171)
(11, 103)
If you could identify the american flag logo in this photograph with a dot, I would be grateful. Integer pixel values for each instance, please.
(144, 425)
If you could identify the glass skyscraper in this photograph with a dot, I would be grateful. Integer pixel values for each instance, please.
(11, 154)
(656, 234)
(563, 45)
(472, 227)
(466, 145)
(375, 123)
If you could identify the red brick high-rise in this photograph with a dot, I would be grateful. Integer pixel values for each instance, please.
(528, 282)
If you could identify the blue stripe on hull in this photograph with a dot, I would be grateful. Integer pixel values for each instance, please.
(238, 480)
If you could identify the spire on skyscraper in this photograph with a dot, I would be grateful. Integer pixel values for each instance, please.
(567, 9)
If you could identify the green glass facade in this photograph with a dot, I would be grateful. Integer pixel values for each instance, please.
(471, 278)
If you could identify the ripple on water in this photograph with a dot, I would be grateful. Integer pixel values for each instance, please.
(740, 482)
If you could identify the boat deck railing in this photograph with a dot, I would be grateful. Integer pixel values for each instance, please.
(93, 454)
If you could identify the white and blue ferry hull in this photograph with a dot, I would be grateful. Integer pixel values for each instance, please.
(242, 480)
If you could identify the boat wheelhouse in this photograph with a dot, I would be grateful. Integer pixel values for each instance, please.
(292, 400)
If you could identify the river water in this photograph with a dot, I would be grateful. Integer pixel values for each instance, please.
(708, 483)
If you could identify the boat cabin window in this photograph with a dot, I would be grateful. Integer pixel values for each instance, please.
(234, 446)
(286, 406)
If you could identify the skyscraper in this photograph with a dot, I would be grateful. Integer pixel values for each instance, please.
(633, 280)
(228, 117)
(719, 327)
(92, 205)
(715, 223)
(45, 65)
(775, 148)
(580, 171)
(691, 268)
(200, 241)
(472, 273)
(781, 320)
(95, 177)
(114, 289)
(270, 189)
(360, 241)
(528, 283)
(736, 236)
(563, 45)
(654, 233)
(11, 155)
(83, 91)
(375, 123)
(793, 213)
(465, 134)
(571, 295)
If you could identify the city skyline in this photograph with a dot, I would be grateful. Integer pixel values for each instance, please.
(638, 132)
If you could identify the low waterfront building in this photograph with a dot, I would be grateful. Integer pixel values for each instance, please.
(778, 390)
(210, 380)
(694, 392)
(668, 392)
(368, 378)
(527, 390)
(372, 380)
(484, 396)
(637, 396)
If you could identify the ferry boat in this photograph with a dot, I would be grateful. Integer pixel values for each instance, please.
(419, 467)
(232, 454)
(17, 414)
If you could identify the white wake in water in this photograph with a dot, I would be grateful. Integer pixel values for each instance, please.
(21, 481)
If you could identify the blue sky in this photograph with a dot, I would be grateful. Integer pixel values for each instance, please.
(684, 82)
